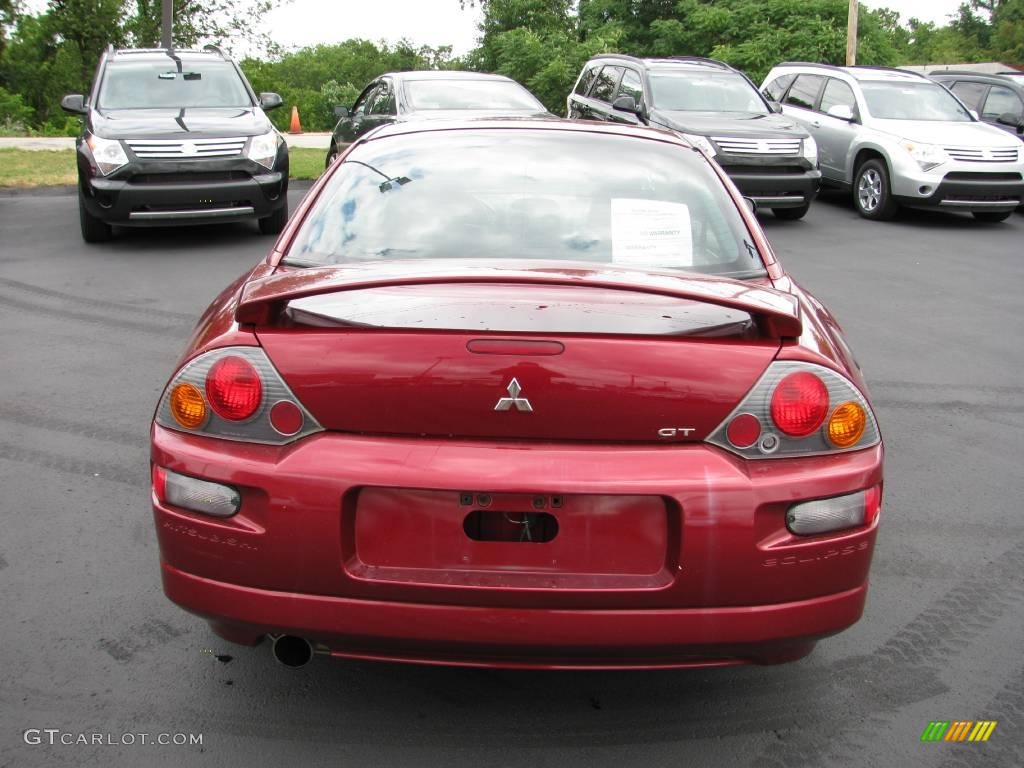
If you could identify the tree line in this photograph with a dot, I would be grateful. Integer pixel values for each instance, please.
(540, 43)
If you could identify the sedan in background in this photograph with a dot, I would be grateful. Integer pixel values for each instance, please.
(552, 418)
(400, 96)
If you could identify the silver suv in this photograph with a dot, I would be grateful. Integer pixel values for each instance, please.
(895, 138)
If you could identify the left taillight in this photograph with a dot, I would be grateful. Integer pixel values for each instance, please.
(798, 409)
(234, 393)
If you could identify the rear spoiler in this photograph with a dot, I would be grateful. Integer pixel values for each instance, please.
(262, 301)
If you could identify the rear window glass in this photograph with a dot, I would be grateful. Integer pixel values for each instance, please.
(469, 94)
(527, 194)
(161, 85)
(804, 91)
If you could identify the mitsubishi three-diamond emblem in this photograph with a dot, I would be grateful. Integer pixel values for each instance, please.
(513, 400)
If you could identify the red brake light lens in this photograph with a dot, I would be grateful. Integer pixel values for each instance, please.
(799, 404)
(234, 388)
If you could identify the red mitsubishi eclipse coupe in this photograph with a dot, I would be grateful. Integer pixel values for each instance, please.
(519, 394)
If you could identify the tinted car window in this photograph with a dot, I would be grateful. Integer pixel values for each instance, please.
(383, 101)
(804, 91)
(470, 94)
(913, 101)
(777, 87)
(527, 194)
(158, 85)
(1000, 101)
(366, 99)
(606, 82)
(705, 92)
(970, 93)
(837, 93)
(587, 79)
(632, 86)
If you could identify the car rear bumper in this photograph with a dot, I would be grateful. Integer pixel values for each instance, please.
(341, 539)
(171, 193)
(519, 637)
(770, 188)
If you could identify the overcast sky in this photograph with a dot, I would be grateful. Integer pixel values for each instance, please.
(443, 22)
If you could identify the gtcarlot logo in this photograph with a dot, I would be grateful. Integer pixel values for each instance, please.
(55, 736)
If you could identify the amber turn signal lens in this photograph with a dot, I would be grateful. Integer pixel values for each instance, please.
(846, 425)
(188, 406)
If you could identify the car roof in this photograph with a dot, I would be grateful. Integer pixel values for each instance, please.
(446, 74)
(691, 63)
(525, 123)
(162, 54)
(861, 72)
(982, 77)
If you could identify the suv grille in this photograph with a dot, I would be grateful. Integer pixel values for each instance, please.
(737, 146)
(976, 155)
(171, 149)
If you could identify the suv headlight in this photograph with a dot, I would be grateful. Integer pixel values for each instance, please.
(702, 143)
(811, 150)
(928, 156)
(108, 154)
(263, 149)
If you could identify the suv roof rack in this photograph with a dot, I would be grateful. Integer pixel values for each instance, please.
(893, 70)
(148, 51)
(810, 64)
(699, 60)
(651, 59)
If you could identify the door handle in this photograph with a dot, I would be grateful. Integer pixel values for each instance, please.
(815, 123)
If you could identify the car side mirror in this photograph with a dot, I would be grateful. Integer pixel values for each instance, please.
(73, 103)
(1008, 118)
(626, 103)
(270, 101)
(775, 107)
(340, 112)
(840, 112)
(751, 204)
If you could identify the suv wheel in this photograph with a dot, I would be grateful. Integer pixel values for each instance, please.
(791, 214)
(274, 223)
(93, 230)
(872, 194)
(992, 216)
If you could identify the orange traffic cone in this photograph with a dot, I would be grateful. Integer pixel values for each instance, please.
(296, 126)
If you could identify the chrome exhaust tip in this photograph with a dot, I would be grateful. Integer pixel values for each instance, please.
(292, 651)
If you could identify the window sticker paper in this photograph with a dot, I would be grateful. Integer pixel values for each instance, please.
(651, 233)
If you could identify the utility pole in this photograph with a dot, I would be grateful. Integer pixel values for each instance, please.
(851, 35)
(167, 24)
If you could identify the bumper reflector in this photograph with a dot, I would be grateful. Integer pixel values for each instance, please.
(195, 495)
(824, 515)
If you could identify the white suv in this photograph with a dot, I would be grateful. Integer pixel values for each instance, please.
(896, 138)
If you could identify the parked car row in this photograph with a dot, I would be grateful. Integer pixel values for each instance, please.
(180, 137)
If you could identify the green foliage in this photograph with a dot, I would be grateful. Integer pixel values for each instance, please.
(320, 78)
(15, 114)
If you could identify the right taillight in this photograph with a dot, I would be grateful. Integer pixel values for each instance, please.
(798, 409)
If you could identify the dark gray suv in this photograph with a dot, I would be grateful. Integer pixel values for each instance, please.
(769, 156)
(176, 137)
(997, 99)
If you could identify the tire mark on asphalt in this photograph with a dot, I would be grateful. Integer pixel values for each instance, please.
(176, 331)
(135, 478)
(947, 405)
(920, 385)
(32, 418)
(3, 562)
(905, 669)
(1005, 746)
(100, 303)
(141, 637)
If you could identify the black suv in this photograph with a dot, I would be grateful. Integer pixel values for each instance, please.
(176, 137)
(998, 99)
(769, 156)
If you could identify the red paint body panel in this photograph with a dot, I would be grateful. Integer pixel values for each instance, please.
(596, 389)
(667, 554)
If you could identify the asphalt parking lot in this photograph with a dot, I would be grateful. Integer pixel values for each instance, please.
(931, 305)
